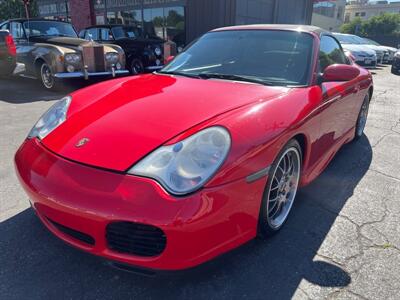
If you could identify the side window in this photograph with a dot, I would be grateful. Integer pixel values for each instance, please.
(92, 33)
(106, 35)
(16, 30)
(4, 27)
(82, 34)
(330, 53)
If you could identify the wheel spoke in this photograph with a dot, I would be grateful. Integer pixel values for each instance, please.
(284, 164)
(285, 179)
(278, 208)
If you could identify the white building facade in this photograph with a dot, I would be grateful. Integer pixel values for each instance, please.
(370, 9)
(329, 15)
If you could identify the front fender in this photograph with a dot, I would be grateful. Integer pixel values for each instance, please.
(260, 130)
(52, 55)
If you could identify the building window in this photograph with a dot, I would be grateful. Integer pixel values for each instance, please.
(347, 18)
(165, 20)
(340, 11)
(357, 14)
(362, 14)
(54, 10)
(325, 8)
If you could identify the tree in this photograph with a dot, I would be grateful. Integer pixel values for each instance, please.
(15, 9)
(354, 27)
(384, 24)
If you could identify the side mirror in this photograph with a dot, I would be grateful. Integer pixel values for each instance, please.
(340, 73)
(169, 59)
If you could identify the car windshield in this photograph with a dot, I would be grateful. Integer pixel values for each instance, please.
(49, 28)
(371, 42)
(350, 39)
(121, 32)
(270, 57)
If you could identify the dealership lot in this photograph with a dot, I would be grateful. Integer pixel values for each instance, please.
(342, 239)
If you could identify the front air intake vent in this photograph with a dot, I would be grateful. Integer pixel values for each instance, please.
(136, 239)
(75, 234)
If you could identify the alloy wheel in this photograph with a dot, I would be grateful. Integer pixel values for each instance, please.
(136, 67)
(47, 76)
(284, 184)
(362, 118)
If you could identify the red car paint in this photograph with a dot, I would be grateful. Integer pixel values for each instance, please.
(85, 188)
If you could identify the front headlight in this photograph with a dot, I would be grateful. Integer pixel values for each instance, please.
(51, 119)
(185, 166)
(72, 58)
(397, 54)
(158, 51)
(112, 57)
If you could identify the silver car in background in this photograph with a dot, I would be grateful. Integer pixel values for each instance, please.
(389, 52)
(362, 55)
(356, 42)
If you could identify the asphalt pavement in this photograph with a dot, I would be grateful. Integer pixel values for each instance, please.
(342, 239)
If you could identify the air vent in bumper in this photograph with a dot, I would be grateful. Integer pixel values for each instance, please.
(136, 239)
(77, 235)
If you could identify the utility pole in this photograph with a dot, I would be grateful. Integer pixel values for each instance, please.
(142, 18)
(66, 10)
(105, 12)
(26, 4)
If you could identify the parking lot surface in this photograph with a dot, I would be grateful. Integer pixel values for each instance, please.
(342, 239)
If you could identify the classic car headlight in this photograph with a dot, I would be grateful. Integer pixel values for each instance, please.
(157, 51)
(185, 166)
(397, 54)
(51, 119)
(112, 57)
(72, 58)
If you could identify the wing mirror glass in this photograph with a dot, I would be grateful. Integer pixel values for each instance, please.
(340, 73)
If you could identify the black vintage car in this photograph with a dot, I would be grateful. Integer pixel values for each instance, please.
(396, 63)
(51, 51)
(143, 52)
(7, 53)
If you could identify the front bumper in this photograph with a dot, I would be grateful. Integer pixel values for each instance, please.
(366, 62)
(154, 68)
(85, 199)
(88, 75)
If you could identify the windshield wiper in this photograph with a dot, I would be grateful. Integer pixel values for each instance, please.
(180, 74)
(233, 77)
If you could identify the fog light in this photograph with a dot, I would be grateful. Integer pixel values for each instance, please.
(118, 66)
(70, 68)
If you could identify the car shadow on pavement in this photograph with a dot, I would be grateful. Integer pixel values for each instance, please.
(35, 263)
(19, 90)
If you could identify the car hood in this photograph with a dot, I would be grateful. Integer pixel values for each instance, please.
(357, 48)
(125, 119)
(143, 41)
(59, 41)
(377, 49)
(390, 49)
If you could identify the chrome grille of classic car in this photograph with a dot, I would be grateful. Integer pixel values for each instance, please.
(93, 57)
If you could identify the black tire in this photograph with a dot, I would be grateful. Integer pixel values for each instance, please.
(266, 228)
(394, 71)
(7, 71)
(136, 67)
(362, 119)
(49, 82)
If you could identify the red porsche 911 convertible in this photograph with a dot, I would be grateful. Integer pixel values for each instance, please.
(168, 170)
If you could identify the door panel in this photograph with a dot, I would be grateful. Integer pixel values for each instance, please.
(337, 97)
